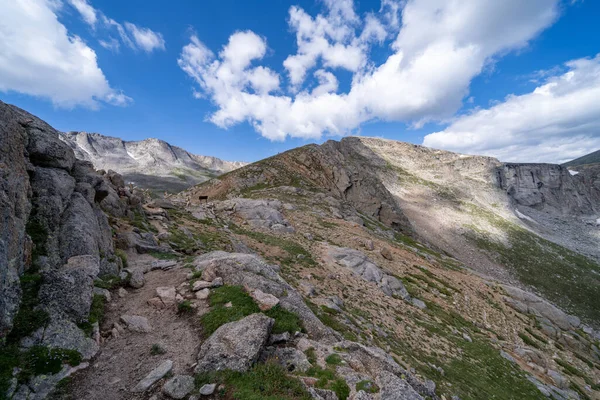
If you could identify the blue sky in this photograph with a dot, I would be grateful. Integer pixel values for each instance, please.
(156, 94)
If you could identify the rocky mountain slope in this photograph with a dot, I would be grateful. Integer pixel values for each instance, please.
(306, 276)
(150, 163)
(592, 158)
(532, 224)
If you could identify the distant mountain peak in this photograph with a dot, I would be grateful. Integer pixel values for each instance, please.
(151, 162)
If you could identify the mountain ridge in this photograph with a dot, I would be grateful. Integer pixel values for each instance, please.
(151, 163)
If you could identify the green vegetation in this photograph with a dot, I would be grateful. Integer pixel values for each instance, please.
(529, 341)
(185, 307)
(157, 349)
(40, 360)
(36, 360)
(410, 242)
(296, 253)
(243, 305)
(28, 318)
(285, 321)
(472, 370)
(569, 369)
(579, 390)
(164, 256)
(268, 381)
(536, 336)
(311, 355)
(140, 222)
(592, 158)
(181, 241)
(367, 386)
(96, 314)
(561, 275)
(109, 282)
(123, 256)
(327, 379)
(331, 321)
(334, 359)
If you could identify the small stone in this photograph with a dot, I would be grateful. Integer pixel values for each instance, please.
(167, 294)
(199, 285)
(202, 294)
(308, 236)
(156, 302)
(136, 279)
(467, 338)
(155, 375)
(208, 389)
(279, 338)
(386, 253)
(217, 282)
(418, 303)
(122, 292)
(179, 386)
(228, 305)
(136, 323)
(264, 300)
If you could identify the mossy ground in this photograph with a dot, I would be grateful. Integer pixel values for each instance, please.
(268, 381)
(566, 278)
(243, 305)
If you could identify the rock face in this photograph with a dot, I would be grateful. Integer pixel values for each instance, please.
(264, 214)
(362, 266)
(548, 186)
(236, 345)
(52, 220)
(150, 163)
(528, 303)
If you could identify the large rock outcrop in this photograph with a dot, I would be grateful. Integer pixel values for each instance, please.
(548, 186)
(52, 225)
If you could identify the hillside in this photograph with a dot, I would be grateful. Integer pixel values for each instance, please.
(352, 270)
(149, 163)
(592, 158)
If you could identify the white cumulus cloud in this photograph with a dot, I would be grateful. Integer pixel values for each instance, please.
(132, 35)
(39, 57)
(558, 121)
(145, 38)
(436, 47)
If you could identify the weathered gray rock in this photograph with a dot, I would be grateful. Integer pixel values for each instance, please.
(179, 386)
(69, 290)
(264, 300)
(395, 388)
(235, 345)
(529, 303)
(154, 376)
(393, 286)
(264, 214)
(136, 323)
(167, 294)
(136, 279)
(63, 333)
(290, 358)
(208, 389)
(357, 262)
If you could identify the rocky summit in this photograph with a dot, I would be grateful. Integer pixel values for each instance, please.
(151, 163)
(358, 269)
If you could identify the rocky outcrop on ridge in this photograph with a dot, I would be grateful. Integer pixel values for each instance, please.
(55, 241)
(149, 163)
